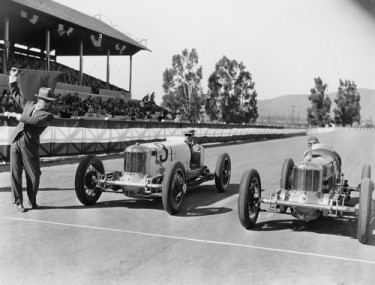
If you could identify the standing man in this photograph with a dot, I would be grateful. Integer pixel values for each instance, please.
(24, 151)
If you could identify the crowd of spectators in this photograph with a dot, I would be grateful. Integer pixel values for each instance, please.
(7, 104)
(96, 107)
(73, 105)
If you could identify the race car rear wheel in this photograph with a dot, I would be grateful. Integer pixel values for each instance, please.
(249, 198)
(90, 167)
(223, 172)
(364, 211)
(366, 171)
(174, 188)
(285, 180)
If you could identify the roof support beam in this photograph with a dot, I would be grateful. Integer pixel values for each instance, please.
(81, 63)
(48, 50)
(6, 45)
(108, 55)
(130, 74)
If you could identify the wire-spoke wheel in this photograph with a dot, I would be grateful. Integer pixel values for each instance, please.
(223, 172)
(285, 179)
(174, 188)
(90, 168)
(364, 211)
(249, 198)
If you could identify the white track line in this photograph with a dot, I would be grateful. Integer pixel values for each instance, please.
(194, 240)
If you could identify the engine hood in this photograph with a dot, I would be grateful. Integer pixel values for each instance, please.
(314, 164)
(138, 148)
(316, 160)
(179, 145)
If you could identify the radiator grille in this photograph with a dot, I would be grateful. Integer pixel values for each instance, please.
(306, 180)
(135, 162)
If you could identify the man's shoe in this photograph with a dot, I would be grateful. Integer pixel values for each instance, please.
(34, 206)
(20, 208)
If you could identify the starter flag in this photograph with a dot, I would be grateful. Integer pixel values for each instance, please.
(31, 80)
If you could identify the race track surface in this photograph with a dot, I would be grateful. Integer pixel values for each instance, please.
(121, 240)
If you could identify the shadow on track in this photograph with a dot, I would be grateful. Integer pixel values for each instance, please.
(197, 202)
(7, 189)
(128, 203)
(199, 199)
(324, 225)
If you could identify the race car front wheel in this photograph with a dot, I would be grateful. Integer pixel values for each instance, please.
(249, 198)
(364, 211)
(174, 188)
(89, 167)
(222, 172)
(285, 179)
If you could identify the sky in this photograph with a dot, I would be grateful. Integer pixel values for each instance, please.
(284, 44)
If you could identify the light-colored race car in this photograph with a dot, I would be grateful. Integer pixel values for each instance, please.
(151, 170)
(312, 188)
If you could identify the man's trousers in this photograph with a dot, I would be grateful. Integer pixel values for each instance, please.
(24, 156)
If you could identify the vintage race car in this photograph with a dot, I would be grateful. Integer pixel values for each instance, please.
(151, 170)
(312, 188)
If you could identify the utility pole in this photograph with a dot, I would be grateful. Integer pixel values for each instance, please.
(298, 120)
(293, 106)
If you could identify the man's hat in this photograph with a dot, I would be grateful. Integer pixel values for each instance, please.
(313, 140)
(46, 94)
(189, 131)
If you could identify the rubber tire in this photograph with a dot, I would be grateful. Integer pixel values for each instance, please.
(167, 189)
(223, 172)
(285, 182)
(364, 211)
(81, 180)
(366, 171)
(245, 197)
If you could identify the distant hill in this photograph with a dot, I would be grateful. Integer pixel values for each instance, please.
(281, 108)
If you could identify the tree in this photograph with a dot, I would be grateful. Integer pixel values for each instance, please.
(182, 85)
(231, 94)
(348, 106)
(319, 112)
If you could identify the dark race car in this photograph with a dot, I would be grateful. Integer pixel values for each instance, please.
(312, 188)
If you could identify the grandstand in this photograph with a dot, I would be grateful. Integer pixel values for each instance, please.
(34, 33)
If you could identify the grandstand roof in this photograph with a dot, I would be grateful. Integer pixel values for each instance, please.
(29, 20)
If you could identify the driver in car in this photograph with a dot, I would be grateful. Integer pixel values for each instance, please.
(194, 148)
(311, 141)
(314, 144)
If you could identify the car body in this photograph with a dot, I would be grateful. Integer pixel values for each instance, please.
(151, 170)
(313, 188)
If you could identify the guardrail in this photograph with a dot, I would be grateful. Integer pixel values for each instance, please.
(338, 128)
(67, 137)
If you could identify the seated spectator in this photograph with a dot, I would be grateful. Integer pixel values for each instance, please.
(90, 112)
(178, 118)
(64, 113)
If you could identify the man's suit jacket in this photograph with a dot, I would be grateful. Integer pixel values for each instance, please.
(31, 126)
